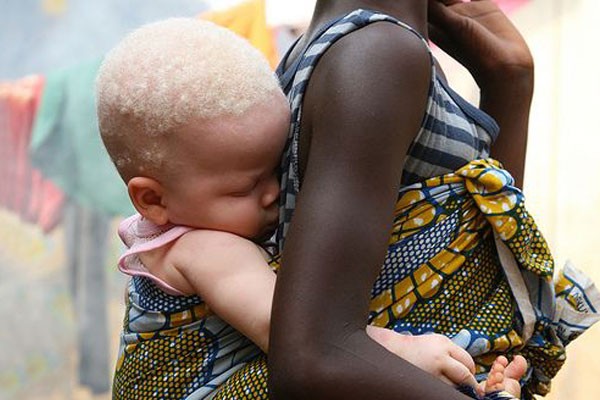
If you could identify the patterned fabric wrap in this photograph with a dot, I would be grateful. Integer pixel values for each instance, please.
(466, 260)
(173, 347)
(443, 274)
(496, 395)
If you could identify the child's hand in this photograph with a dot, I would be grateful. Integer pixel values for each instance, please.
(433, 353)
(478, 35)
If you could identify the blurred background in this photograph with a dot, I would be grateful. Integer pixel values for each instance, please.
(60, 198)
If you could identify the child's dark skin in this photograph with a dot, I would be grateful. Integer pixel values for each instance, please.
(362, 109)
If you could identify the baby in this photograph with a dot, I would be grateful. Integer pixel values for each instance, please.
(195, 122)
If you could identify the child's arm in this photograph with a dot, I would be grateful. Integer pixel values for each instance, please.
(233, 278)
(478, 35)
(230, 274)
(433, 353)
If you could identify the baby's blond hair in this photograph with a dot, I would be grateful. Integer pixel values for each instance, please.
(167, 74)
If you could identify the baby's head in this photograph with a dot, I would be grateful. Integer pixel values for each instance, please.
(195, 122)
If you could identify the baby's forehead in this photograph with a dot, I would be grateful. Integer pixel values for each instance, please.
(222, 132)
(249, 123)
(255, 132)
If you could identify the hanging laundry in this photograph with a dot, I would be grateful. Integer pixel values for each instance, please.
(66, 144)
(24, 190)
(249, 20)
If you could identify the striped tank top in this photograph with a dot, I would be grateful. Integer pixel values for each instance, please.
(453, 131)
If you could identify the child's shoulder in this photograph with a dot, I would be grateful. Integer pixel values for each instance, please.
(212, 238)
(211, 245)
(204, 256)
(379, 56)
(386, 37)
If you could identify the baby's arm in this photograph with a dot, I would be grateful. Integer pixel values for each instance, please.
(433, 353)
(233, 278)
(230, 274)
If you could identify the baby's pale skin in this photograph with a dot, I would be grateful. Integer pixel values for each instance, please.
(231, 275)
(221, 179)
(238, 191)
(505, 376)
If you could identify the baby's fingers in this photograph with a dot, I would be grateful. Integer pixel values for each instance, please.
(458, 374)
(463, 357)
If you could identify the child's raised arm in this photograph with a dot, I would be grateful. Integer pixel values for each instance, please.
(231, 276)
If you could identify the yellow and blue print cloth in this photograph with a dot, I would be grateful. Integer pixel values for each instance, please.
(465, 260)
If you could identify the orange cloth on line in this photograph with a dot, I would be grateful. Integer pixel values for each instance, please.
(249, 20)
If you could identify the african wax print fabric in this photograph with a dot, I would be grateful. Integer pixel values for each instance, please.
(496, 395)
(465, 260)
(174, 347)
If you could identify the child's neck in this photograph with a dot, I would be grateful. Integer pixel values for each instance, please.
(411, 12)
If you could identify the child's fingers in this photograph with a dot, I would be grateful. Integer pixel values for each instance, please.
(463, 357)
(458, 373)
(441, 16)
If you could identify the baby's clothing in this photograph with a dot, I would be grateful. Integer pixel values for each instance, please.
(172, 346)
(141, 235)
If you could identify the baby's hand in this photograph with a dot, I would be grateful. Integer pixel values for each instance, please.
(433, 353)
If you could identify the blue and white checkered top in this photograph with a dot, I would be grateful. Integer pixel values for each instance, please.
(453, 131)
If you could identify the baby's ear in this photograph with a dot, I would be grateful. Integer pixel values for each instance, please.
(146, 194)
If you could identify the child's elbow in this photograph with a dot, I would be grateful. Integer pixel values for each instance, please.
(259, 333)
(263, 343)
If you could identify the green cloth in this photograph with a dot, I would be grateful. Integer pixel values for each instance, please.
(66, 144)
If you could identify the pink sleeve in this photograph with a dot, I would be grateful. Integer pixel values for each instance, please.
(141, 235)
